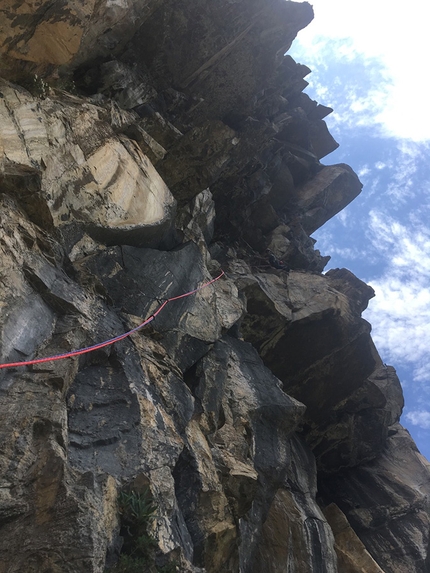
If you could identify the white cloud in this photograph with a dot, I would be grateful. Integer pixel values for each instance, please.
(354, 85)
(343, 217)
(363, 171)
(400, 311)
(361, 68)
(404, 184)
(377, 31)
(380, 165)
(419, 418)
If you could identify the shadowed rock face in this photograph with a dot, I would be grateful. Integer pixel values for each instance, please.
(386, 501)
(257, 410)
(312, 337)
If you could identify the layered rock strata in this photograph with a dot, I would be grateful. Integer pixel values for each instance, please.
(145, 147)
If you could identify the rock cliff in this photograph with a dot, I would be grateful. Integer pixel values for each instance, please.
(250, 425)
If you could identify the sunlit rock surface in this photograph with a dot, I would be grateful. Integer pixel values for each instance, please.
(145, 148)
(80, 172)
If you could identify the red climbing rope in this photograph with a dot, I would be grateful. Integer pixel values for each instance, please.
(111, 340)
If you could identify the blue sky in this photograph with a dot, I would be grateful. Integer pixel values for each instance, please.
(367, 61)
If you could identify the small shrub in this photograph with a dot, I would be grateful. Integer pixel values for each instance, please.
(35, 85)
(139, 549)
(41, 88)
(171, 567)
(65, 84)
(130, 564)
(145, 544)
(136, 508)
(138, 552)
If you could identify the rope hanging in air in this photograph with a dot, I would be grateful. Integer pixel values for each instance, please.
(73, 353)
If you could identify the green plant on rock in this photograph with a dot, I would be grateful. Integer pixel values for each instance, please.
(43, 88)
(171, 567)
(130, 564)
(137, 510)
(36, 85)
(65, 84)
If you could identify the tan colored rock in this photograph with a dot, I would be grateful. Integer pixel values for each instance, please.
(41, 494)
(387, 501)
(358, 292)
(241, 402)
(211, 526)
(53, 39)
(49, 36)
(151, 148)
(239, 478)
(19, 114)
(279, 244)
(184, 406)
(85, 173)
(131, 184)
(283, 546)
(352, 555)
(197, 218)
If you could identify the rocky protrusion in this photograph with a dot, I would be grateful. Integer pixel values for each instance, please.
(241, 394)
(43, 39)
(352, 556)
(326, 194)
(386, 501)
(83, 174)
(312, 337)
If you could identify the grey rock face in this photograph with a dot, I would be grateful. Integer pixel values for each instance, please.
(83, 174)
(386, 501)
(312, 338)
(255, 411)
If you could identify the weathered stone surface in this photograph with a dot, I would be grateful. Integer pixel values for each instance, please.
(295, 535)
(217, 68)
(283, 546)
(82, 172)
(190, 324)
(326, 194)
(209, 147)
(44, 37)
(241, 403)
(356, 290)
(43, 33)
(234, 401)
(41, 493)
(123, 83)
(352, 556)
(322, 141)
(312, 337)
(387, 501)
(197, 218)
